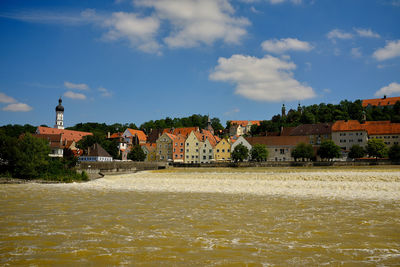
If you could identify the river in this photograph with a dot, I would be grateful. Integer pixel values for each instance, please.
(205, 218)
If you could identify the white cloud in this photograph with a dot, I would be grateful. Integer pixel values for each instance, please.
(367, 33)
(327, 91)
(18, 107)
(391, 50)
(105, 92)
(6, 99)
(283, 45)
(393, 88)
(140, 31)
(73, 95)
(262, 79)
(47, 17)
(196, 22)
(274, 2)
(79, 86)
(232, 112)
(338, 34)
(356, 52)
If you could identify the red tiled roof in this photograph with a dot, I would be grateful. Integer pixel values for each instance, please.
(170, 136)
(350, 125)
(116, 135)
(245, 123)
(68, 135)
(185, 131)
(381, 127)
(286, 131)
(388, 101)
(278, 140)
(140, 134)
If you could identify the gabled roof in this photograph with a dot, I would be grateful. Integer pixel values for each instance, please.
(312, 129)
(97, 150)
(69, 135)
(54, 140)
(350, 125)
(381, 127)
(140, 134)
(185, 131)
(277, 140)
(149, 146)
(386, 101)
(171, 136)
(154, 134)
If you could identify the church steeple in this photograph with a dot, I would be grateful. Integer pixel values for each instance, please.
(59, 115)
(283, 111)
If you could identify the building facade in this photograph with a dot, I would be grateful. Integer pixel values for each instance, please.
(242, 141)
(222, 150)
(165, 147)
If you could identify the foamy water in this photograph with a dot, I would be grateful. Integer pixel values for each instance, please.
(333, 184)
(205, 219)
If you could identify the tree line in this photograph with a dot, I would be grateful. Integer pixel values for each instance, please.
(27, 157)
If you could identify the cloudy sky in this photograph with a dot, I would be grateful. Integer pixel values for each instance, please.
(137, 60)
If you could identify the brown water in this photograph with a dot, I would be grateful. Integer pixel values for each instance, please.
(120, 221)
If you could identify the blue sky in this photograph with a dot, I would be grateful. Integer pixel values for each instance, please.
(133, 61)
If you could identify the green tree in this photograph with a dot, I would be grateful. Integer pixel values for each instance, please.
(303, 151)
(32, 157)
(356, 151)
(8, 153)
(329, 150)
(136, 154)
(376, 148)
(240, 153)
(259, 152)
(394, 153)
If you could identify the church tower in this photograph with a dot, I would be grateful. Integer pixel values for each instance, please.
(283, 111)
(59, 115)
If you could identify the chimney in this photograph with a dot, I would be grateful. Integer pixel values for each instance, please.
(281, 130)
(384, 96)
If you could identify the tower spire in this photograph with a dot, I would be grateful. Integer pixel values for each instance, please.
(59, 115)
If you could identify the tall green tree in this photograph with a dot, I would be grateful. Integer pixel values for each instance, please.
(259, 152)
(32, 157)
(329, 150)
(394, 153)
(303, 151)
(356, 151)
(376, 148)
(240, 153)
(136, 154)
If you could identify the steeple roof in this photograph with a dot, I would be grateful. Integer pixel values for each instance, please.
(59, 107)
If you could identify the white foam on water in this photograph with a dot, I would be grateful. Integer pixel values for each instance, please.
(333, 184)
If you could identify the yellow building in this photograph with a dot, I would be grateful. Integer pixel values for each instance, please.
(223, 150)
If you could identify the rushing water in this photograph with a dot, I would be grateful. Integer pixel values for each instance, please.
(218, 219)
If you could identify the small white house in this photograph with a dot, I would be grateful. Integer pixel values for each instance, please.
(96, 153)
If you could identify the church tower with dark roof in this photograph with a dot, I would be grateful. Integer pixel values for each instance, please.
(59, 115)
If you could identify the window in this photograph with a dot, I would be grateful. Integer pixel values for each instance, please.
(210, 151)
(223, 150)
(210, 157)
(187, 150)
(276, 150)
(197, 144)
(282, 151)
(187, 157)
(181, 150)
(192, 157)
(204, 157)
(197, 150)
(176, 144)
(174, 149)
(187, 144)
(217, 150)
(228, 150)
(359, 140)
(204, 151)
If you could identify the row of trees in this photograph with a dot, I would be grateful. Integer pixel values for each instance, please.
(195, 120)
(257, 153)
(28, 158)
